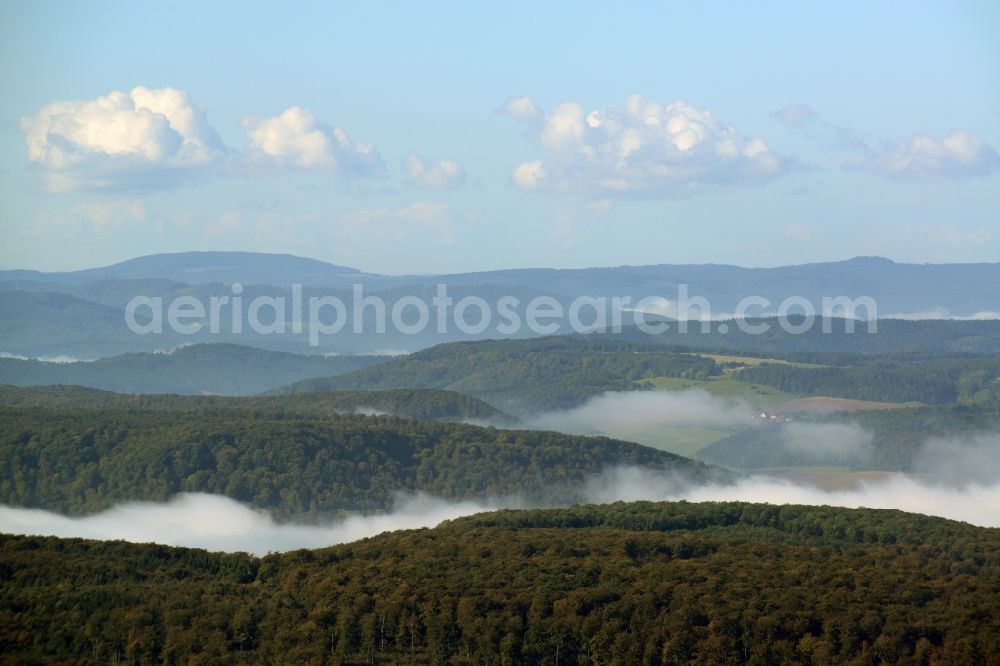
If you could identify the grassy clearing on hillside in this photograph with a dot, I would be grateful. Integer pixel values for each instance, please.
(759, 397)
(755, 361)
(687, 441)
(825, 405)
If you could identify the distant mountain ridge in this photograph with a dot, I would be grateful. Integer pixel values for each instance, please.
(203, 267)
(899, 288)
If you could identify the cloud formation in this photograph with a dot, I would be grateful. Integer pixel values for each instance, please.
(641, 149)
(433, 174)
(522, 108)
(153, 139)
(804, 120)
(296, 139)
(140, 140)
(956, 155)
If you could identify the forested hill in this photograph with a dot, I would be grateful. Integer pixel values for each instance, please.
(889, 378)
(75, 461)
(204, 368)
(419, 404)
(643, 583)
(522, 376)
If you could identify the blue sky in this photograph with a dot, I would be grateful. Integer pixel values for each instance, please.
(428, 137)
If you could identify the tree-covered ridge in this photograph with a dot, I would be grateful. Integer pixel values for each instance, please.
(791, 523)
(932, 382)
(644, 583)
(204, 368)
(419, 404)
(75, 461)
(523, 376)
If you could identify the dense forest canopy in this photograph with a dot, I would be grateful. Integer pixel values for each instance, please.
(890, 380)
(642, 583)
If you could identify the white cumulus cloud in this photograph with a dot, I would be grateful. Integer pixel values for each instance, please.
(433, 174)
(643, 148)
(522, 108)
(530, 175)
(297, 139)
(152, 139)
(143, 139)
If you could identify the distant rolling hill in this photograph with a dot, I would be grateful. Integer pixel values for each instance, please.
(205, 368)
(205, 267)
(898, 288)
(53, 324)
(88, 320)
(521, 376)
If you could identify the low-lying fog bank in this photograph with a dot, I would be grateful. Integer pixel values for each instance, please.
(633, 410)
(219, 523)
